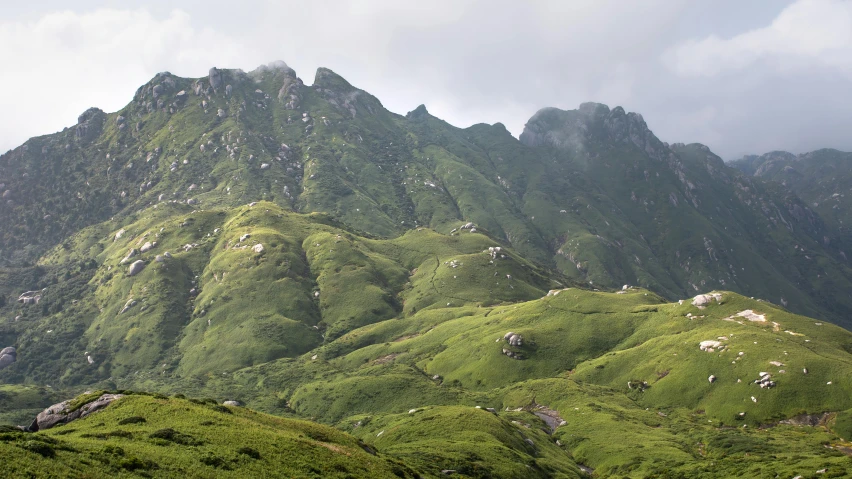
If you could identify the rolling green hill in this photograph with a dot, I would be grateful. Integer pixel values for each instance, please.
(458, 300)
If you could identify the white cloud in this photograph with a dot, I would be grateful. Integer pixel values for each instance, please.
(806, 33)
(61, 64)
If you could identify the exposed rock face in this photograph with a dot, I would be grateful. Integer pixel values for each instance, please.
(89, 124)
(136, 268)
(215, 77)
(8, 356)
(59, 413)
(30, 297)
(340, 93)
(232, 403)
(258, 248)
(592, 122)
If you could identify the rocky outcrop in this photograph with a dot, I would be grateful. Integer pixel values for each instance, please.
(701, 301)
(30, 297)
(215, 78)
(341, 94)
(89, 125)
(514, 339)
(7, 357)
(61, 413)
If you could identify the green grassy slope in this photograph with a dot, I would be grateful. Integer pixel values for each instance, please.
(624, 371)
(171, 437)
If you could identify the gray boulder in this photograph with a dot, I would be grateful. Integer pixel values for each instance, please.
(7, 357)
(232, 403)
(60, 414)
(136, 268)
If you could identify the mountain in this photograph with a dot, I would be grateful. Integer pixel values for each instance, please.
(591, 193)
(311, 254)
(821, 178)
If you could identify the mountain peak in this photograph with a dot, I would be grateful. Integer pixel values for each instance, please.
(590, 122)
(277, 66)
(326, 78)
(418, 113)
(592, 108)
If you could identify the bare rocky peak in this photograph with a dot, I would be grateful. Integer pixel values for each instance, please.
(592, 122)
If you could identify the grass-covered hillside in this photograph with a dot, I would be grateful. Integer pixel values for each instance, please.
(158, 436)
(602, 384)
(222, 289)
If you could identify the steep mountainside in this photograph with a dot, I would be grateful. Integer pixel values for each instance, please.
(460, 299)
(591, 193)
(821, 178)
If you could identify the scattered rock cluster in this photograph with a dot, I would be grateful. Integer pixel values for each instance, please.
(514, 340)
(711, 345)
(765, 380)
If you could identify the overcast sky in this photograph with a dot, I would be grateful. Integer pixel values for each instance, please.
(740, 76)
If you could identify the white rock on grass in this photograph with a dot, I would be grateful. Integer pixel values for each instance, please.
(136, 268)
(709, 345)
(703, 300)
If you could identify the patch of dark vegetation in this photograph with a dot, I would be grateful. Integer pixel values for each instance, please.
(247, 451)
(218, 462)
(133, 463)
(176, 437)
(38, 447)
(108, 435)
(131, 420)
(223, 409)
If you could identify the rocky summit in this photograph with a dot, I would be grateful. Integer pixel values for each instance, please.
(243, 274)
